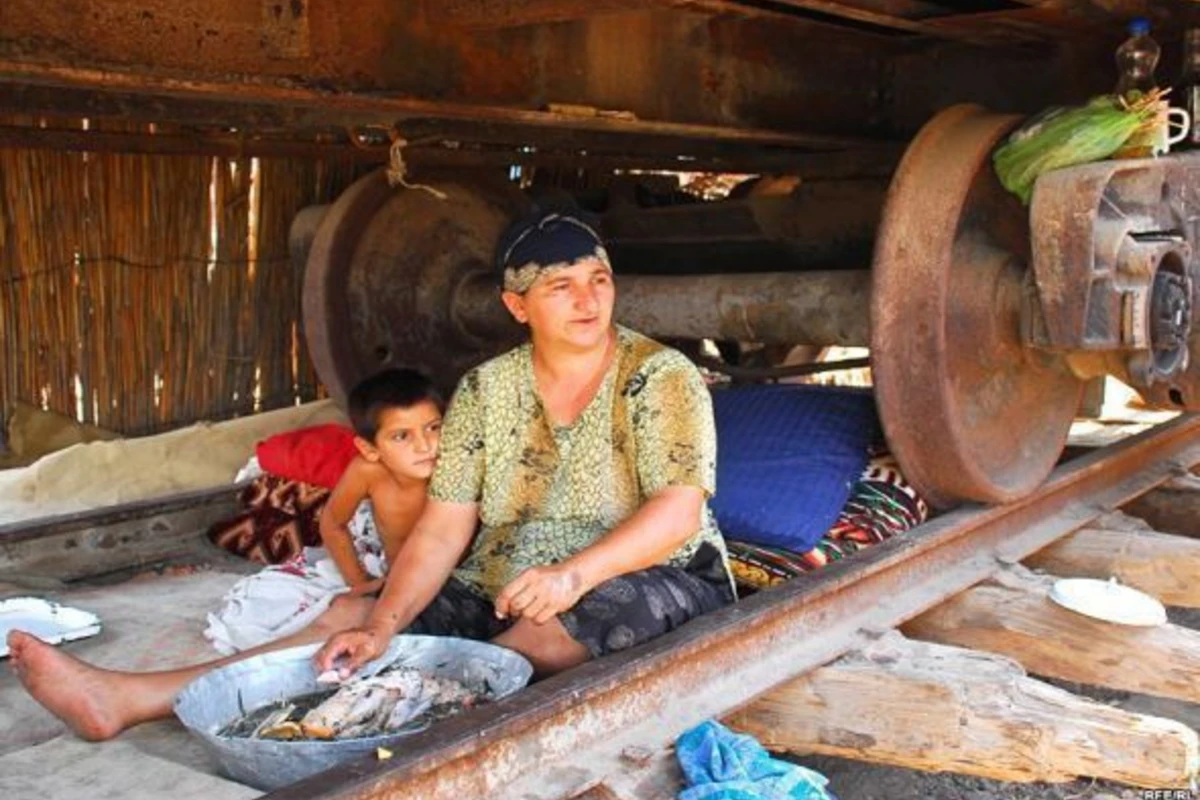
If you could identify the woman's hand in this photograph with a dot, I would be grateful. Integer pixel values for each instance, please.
(349, 650)
(540, 593)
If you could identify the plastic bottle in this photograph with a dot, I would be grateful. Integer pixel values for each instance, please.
(1186, 92)
(1136, 59)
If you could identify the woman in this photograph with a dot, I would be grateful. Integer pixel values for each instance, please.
(585, 458)
(573, 477)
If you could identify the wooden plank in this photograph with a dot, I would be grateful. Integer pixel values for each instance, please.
(91, 543)
(1161, 564)
(1174, 507)
(932, 707)
(1011, 615)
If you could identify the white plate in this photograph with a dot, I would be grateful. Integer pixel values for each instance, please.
(48, 621)
(1108, 601)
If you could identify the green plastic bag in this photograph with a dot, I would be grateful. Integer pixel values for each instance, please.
(1063, 137)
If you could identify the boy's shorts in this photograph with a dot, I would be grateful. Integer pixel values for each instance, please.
(616, 615)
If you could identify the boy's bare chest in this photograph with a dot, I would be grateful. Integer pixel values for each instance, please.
(395, 508)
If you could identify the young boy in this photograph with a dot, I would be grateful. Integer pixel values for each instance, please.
(397, 420)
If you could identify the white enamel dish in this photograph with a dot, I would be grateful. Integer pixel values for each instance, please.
(48, 621)
(1108, 601)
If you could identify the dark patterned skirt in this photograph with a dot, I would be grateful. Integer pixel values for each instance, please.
(616, 615)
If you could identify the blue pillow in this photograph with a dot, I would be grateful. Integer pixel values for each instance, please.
(787, 458)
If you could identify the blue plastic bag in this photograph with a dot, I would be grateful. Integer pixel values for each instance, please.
(722, 765)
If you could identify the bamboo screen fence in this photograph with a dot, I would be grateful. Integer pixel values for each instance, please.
(144, 292)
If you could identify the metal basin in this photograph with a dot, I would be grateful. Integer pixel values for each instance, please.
(209, 702)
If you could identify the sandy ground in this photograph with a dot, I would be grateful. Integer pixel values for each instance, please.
(152, 621)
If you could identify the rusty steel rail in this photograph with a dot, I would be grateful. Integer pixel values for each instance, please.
(563, 735)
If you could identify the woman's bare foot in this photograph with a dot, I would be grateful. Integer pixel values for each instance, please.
(87, 698)
(99, 703)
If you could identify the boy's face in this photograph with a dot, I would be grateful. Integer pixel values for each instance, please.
(407, 441)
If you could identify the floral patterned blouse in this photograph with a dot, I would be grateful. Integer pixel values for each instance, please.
(545, 491)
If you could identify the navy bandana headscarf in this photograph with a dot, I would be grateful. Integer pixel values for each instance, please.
(550, 241)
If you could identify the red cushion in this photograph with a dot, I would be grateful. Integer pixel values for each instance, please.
(317, 455)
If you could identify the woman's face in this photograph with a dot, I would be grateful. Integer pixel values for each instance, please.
(572, 306)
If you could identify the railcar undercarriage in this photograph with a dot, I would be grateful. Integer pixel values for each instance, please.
(984, 319)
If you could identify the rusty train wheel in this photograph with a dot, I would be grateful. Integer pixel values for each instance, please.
(969, 413)
(382, 272)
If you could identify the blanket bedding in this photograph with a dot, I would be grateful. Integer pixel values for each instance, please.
(280, 519)
(882, 504)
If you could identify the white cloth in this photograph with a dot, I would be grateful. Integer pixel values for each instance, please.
(276, 602)
(286, 598)
(249, 472)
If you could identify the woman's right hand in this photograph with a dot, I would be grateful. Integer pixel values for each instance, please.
(349, 650)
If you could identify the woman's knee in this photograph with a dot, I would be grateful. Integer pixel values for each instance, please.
(548, 647)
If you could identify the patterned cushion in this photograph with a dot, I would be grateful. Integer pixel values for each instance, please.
(787, 458)
(281, 518)
(881, 505)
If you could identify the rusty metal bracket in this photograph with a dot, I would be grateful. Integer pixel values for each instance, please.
(1113, 268)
